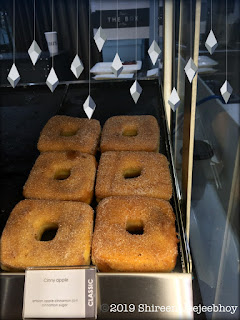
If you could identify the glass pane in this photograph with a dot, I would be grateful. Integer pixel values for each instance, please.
(214, 228)
(184, 26)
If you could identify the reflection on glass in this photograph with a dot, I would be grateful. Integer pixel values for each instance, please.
(214, 230)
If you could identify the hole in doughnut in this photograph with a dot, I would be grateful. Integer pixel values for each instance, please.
(135, 227)
(130, 132)
(68, 132)
(48, 232)
(62, 174)
(132, 173)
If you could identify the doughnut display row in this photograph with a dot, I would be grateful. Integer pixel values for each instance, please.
(65, 170)
(134, 227)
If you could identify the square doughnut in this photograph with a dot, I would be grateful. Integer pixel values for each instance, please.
(130, 133)
(133, 173)
(63, 133)
(68, 175)
(24, 241)
(134, 234)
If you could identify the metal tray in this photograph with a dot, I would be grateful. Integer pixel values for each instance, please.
(24, 113)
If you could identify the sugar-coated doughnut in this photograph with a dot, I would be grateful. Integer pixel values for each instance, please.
(134, 234)
(22, 244)
(133, 173)
(63, 133)
(68, 175)
(130, 133)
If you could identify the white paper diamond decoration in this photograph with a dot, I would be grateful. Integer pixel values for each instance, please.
(226, 91)
(135, 91)
(211, 42)
(190, 69)
(13, 76)
(174, 100)
(77, 66)
(52, 80)
(89, 107)
(100, 38)
(34, 52)
(153, 72)
(154, 51)
(117, 66)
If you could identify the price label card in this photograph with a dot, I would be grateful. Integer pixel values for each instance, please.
(65, 293)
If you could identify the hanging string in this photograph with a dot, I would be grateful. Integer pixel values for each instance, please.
(77, 27)
(211, 14)
(226, 39)
(52, 35)
(191, 28)
(154, 22)
(89, 56)
(117, 26)
(100, 12)
(14, 49)
(136, 34)
(34, 19)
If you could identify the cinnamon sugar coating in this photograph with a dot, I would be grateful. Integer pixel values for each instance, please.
(130, 133)
(20, 242)
(116, 249)
(133, 173)
(66, 175)
(63, 133)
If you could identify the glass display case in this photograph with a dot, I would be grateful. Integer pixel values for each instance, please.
(213, 217)
(199, 130)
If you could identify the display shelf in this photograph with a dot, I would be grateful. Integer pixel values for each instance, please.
(112, 98)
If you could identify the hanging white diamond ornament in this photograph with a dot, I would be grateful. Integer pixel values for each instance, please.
(52, 80)
(89, 107)
(135, 91)
(190, 69)
(211, 42)
(174, 100)
(77, 66)
(226, 91)
(13, 76)
(100, 38)
(153, 72)
(117, 66)
(34, 52)
(154, 51)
